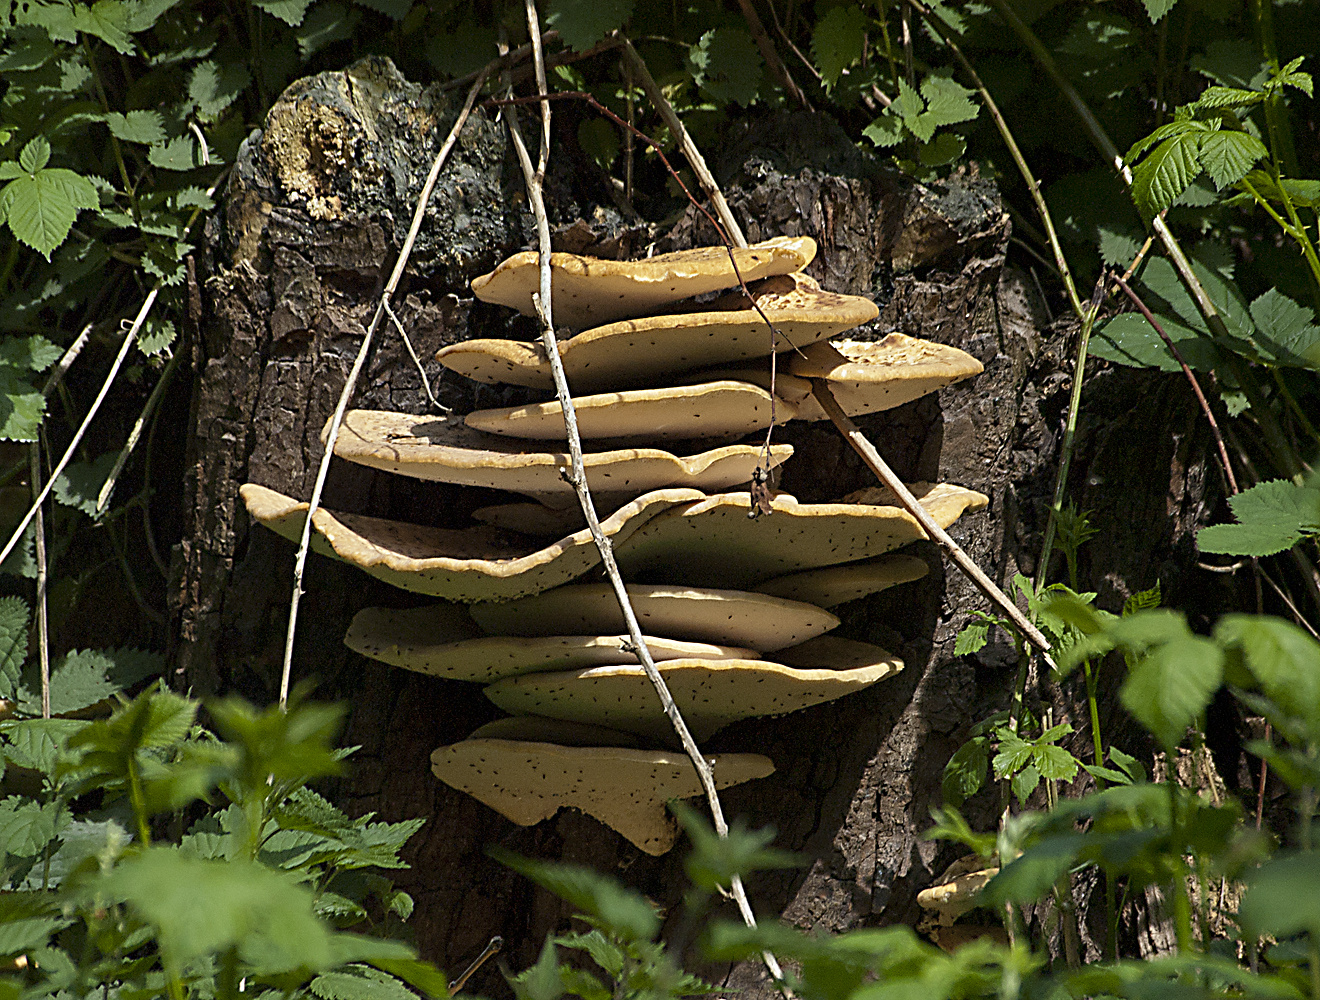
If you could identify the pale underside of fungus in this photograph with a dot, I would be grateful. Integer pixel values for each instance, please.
(713, 543)
(444, 449)
(727, 617)
(711, 694)
(417, 639)
(469, 564)
(723, 409)
(831, 586)
(639, 352)
(625, 789)
(587, 291)
(537, 729)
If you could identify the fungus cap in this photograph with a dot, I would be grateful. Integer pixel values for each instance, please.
(866, 377)
(537, 729)
(956, 895)
(443, 449)
(585, 291)
(638, 351)
(723, 409)
(829, 652)
(834, 585)
(413, 639)
(711, 694)
(472, 564)
(727, 617)
(625, 789)
(714, 543)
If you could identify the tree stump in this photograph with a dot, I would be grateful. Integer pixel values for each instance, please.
(312, 221)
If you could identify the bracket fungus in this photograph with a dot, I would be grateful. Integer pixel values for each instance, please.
(756, 621)
(625, 789)
(444, 449)
(652, 372)
(586, 290)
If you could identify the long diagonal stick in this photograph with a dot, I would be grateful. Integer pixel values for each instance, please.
(535, 177)
(821, 390)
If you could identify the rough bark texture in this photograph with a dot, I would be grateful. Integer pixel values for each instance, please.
(314, 215)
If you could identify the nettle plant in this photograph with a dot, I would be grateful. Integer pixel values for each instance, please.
(119, 880)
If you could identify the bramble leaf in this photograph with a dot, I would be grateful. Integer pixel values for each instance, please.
(1285, 331)
(1273, 516)
(1156, 9)
(887, 130)
(583, 23)
(1172, 684)
(1227, 156)
(837, 41)
(1129, 339)
(212, 87)
(1228, 97)
(42, 204)
(971, 639)
(291, 12)
(965, 772)
(13, 643)
(35, 155)
(726, 64)
(146, 127)
(1165, 173)
(27, 826)
(108, 20)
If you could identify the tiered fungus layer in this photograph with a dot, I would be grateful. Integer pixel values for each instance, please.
(733, 607)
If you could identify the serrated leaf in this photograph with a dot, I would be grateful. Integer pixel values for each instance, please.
(1227, 156)
(37, 743)
(1143, 600)
(35, 155)
(359, 982)
(583, 23)
(947, 101)
(1129, 339)
(1273, 517)
(33, 354)
(27, 826)
(212, 87)
(397, 9)
(291, 12)
(1285, 331)
(965, 772)
(971, 639)
(887, 130)
(1284, 660)
(1054, 762)
(1024, 782)
(1171, 685)
(1165, 173)
(108, 20)
(41, 208)
(13, 643)
(1156, 9)
(837, 42)
(31, 51)
(157, 334)
(80, 483)
(464, 49)
(1014, 754)
(21, 936)
(146, 127)
(326, 23)
(21, 407)
(944, 149)
(726, 64)
(1228, 97)
(84, 677)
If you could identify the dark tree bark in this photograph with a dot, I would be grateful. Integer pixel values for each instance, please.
(312, 221)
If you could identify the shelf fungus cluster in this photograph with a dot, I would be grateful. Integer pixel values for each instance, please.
(671, 374)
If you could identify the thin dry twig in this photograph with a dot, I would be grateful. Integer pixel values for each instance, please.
(534, 177)
(66, 361)
(43, 630)
(332, 436)
(864, 448)
(492, 949)
(134, 435)
(771, 57)
(407, 342)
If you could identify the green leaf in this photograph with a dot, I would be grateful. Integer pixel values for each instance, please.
(715, 860)
(583, 23)
(1014, 754)
(13, 643)
(291, 12)
(971, 639)
(34, 354)
(21, 407)
(42, 207)
(1273, 516)
(1170, 687)
(542, 980)
(1228, 97)
(1128, 339)
(157, 334)
(84, 677)
(107, 20)
(726, 64)
(1285, 331)
(328, 22)
(1165, 173)
(599, 140)
(1024, 782)
(359, 982)
(837, 42)
(38, 743)
(1034, 873)
(212, 87)
(1227, 156)
(146, 127)
(1143, 600)
(1055, 763)
(35, 155)
(27, 826)
(80, 483)
(1283, 897)
(947, 101)
(885, 131)
(617, 909)
(965, 772)
(21, 936)
(1156, 9)
(944, 149)
(198, 908)
(143, 14)
(1284, 660)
